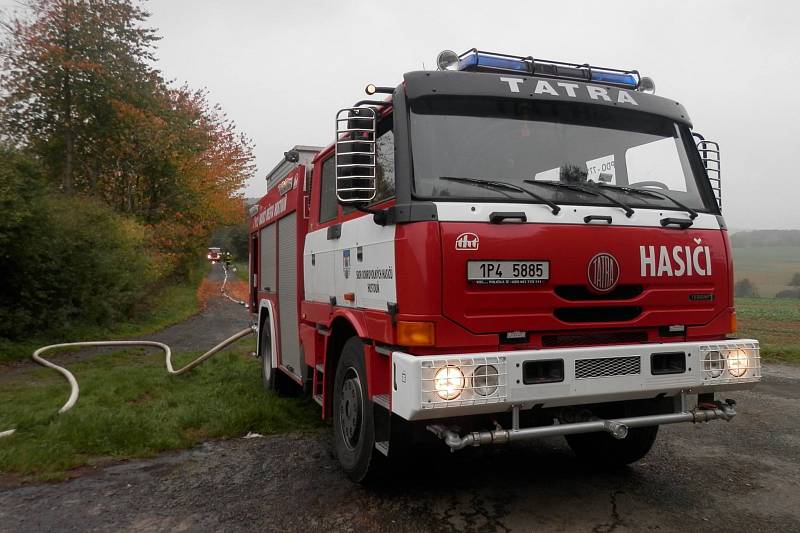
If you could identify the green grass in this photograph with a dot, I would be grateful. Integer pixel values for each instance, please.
(775, 323)
(769, 267)
(172, 304)
(130, 407)
(241, 270)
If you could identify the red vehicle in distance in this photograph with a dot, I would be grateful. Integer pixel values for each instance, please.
(214, 254)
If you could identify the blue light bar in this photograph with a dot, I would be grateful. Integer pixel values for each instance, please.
(478, 61)
(615, 78)
(475, 60)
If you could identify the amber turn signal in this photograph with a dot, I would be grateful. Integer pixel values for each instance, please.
(733, 322)
(415, 333)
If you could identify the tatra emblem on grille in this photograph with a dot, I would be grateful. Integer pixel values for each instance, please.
(603, 272)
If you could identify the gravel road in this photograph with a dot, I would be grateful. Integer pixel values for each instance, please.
(737, 476)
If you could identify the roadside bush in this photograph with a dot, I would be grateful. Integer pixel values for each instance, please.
(233, 239)
(745, 288)
(67, 262)
(789, 293)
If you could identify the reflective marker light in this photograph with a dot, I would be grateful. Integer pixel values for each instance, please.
(478, 61)
(416, 333)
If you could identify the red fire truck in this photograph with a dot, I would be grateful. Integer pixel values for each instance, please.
(503, 249)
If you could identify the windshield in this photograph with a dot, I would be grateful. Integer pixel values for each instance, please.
(514, 141)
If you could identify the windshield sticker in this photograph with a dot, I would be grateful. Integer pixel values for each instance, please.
(601, 170)
(554, 174)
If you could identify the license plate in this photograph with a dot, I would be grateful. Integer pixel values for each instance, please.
(508, 272)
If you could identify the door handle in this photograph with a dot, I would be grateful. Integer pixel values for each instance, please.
(601, 218)
(682, 223)
(498, 217)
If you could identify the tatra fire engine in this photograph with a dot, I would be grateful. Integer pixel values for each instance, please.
(503, 249)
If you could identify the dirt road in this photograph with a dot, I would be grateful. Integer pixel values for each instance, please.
(738, 476)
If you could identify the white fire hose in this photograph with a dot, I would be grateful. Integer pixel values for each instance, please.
(225, 282)
(73, 383)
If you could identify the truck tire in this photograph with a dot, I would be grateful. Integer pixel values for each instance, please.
(604, 450)
(353, 422)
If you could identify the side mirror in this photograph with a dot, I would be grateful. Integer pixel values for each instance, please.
(709, 154)
(356, 155)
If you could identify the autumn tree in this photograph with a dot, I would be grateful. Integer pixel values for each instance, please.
(79, 90)
(64, 65)
(208, 163)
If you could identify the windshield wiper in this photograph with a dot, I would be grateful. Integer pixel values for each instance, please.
(653, 194)
(577, 187)
(497, 184)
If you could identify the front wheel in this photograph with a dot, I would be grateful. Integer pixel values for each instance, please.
(603, 449)
(353, 422)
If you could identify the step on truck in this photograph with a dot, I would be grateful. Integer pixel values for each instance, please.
(503, 249)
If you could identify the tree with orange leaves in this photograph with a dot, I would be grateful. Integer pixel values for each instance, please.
(77, 88)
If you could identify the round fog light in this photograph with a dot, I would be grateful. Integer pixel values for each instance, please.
(647, 85)
(737, 362)
(714, 364)
(485, 380)
(447, 60)
(449, 382)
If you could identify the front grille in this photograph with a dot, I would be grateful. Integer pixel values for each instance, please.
(607, 366)
(597, 314)
(580, 292)
(593, 339)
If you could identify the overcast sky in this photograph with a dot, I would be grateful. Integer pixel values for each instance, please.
(282, 69)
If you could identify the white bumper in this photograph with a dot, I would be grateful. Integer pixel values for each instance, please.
(590, 375)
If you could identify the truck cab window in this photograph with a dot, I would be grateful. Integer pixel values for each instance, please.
(385, 162)
(328, 206)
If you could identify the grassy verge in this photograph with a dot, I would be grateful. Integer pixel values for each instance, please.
(241, 270)
(130, 407)
(775, 323)
(172, 304)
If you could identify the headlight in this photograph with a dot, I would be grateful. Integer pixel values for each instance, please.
(485, 380)
(449, 382)
(714, 364)
(738, 362)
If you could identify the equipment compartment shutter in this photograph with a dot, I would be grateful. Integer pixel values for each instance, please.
(267, 262)
(287, 293)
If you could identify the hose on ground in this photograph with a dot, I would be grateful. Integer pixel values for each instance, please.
(225, 282)
(73, 383)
